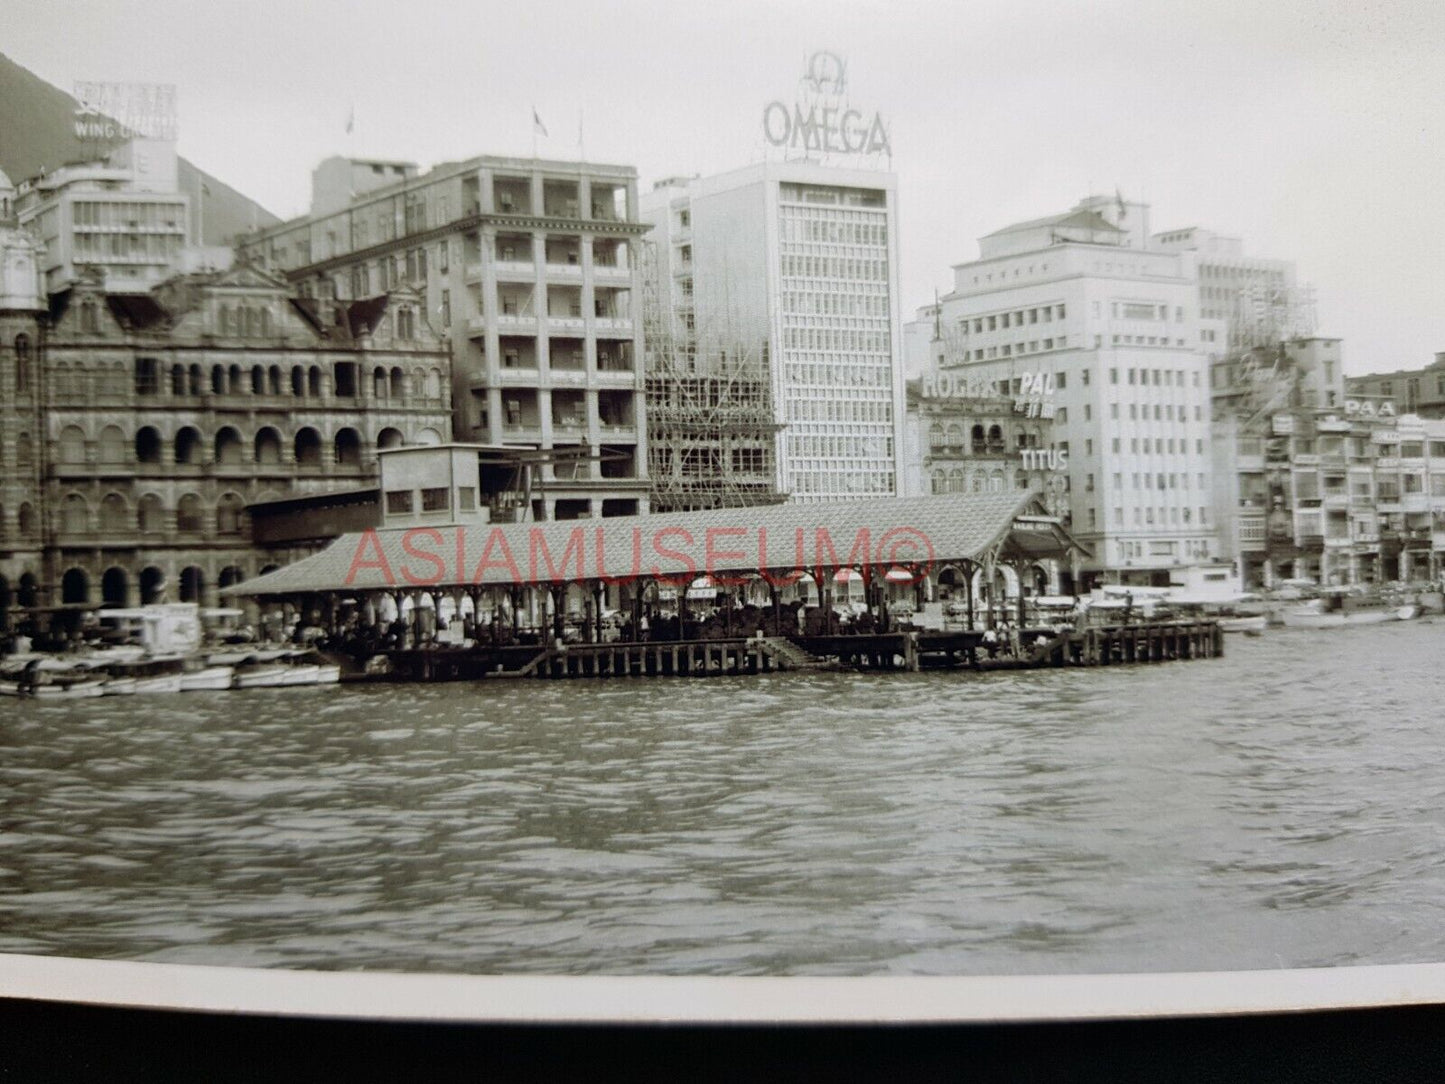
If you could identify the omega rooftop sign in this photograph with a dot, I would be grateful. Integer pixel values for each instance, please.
(822, 121)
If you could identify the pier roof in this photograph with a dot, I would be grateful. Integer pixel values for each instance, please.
(734, 542)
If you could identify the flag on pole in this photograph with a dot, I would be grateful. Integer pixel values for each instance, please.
(1119, 199)
(351, 120)
(537, 125)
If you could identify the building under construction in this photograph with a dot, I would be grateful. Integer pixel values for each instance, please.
(711, 428)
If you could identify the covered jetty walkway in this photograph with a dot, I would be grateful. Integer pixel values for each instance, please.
(721, 591)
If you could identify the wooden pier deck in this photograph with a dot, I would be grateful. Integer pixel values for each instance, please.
(1111, 645)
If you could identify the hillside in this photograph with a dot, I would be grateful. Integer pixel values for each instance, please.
(37, 132)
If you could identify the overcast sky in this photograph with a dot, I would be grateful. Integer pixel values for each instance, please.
(1312, 130)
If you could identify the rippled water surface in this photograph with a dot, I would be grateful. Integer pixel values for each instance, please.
(1283, 806)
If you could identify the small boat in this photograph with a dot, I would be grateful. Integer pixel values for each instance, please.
(145, 676)
(207, 678)
(1252, 623)
(77, 689)
(259, 675)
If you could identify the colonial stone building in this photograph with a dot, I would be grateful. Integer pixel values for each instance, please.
(137, 428)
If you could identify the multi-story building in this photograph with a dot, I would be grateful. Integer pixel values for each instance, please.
(1416, 391)
(123, 216)
(531, 267)
(140, 427)
(967, 440)
(796, 264)
(1076, 310)
(1256, 297)
(1315, 485)
(22, 314)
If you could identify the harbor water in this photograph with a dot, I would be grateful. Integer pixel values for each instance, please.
(1283, 806)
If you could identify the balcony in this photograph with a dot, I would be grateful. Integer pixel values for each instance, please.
(611, 274)
(617, 324)
(1250, 532)
(1415, 502)
(568, 322)
(1337, 500)
(521, 322)
(1245, 463)
(515, 271)
(522, 434)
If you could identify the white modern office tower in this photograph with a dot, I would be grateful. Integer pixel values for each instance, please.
(797, 262)
(1078, 313)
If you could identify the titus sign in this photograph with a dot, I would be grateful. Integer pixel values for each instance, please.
(823, 120)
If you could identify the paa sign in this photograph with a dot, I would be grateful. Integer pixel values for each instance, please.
(1369, 408)
(822, 120)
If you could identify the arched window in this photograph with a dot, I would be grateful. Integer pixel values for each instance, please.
(233, 380)
(995, 439)
(72, 444)
(1021, 479)
(273, 380)
(955, 435)
(114, 514)
(114, 587)
(995, 482)
(378, 383)
(258, 380)
(935, 435)
(151, 515)
(390, 438)
(955, 480)
(25, 520)
(193, 583)
(74, 515)
(195, 374)
(189, 519)
(188, 446)
(976, 438)
(228, 446)
(148, 445)
(308, 448)
(348, 448)
(74, 586)
(298, 381)
(313, 381)
(268, 446)
(178, 380)
(228, 514)
(398, 384)
(434, 384)
(940, 481)
(24, 451)
(22, 364)
(112, 445)
(218, 380)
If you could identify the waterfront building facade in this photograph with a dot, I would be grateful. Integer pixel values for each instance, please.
(1075, 312)
(1316, 485)
(138, 428)
(531, 267)
(1416, 391)
(795, 264)
(963, 440)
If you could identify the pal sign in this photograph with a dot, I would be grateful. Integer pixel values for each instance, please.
(823, 120)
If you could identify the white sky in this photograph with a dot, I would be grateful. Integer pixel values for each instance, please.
(1311, 129)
